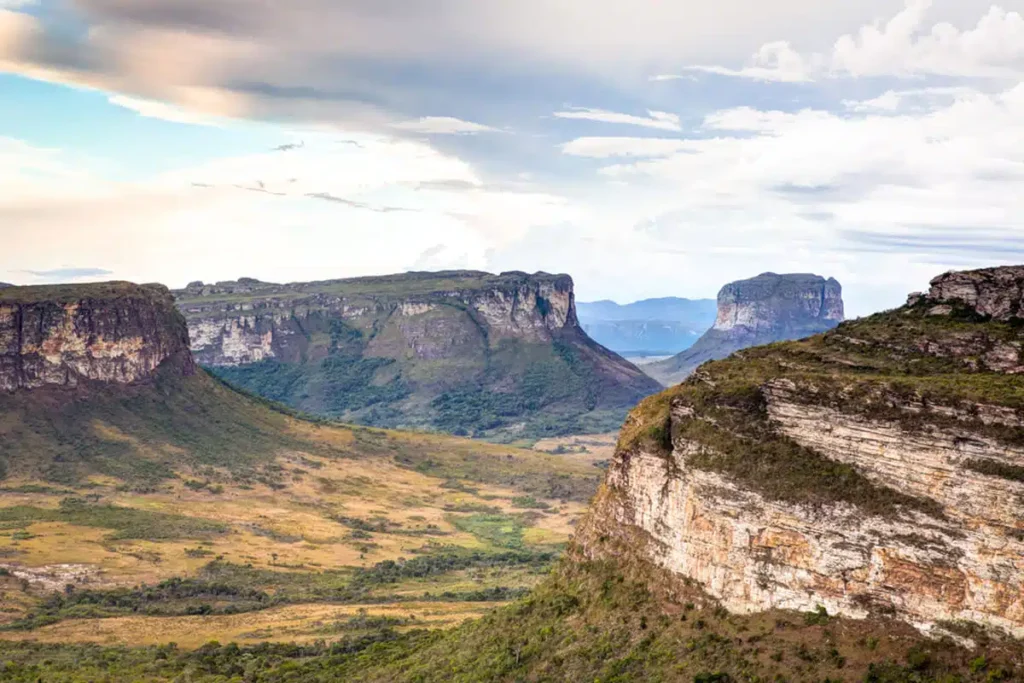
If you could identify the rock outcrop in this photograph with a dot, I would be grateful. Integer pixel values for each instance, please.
(762, 310)
(70, 334)
(452, 350)
(877, 469)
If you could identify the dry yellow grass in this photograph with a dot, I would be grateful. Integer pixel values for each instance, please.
(294, 623)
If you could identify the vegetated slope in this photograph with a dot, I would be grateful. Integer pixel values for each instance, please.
(621, 609)
(495, 356)
(652, 327)
(163, 505)
(762, 310)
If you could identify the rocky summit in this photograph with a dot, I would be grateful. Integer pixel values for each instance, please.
(501, 356)
(876, 470)
(66, 335)
(761, 310)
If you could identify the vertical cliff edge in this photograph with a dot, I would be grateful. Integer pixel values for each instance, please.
(501, 356)
(67, 335)
(762, 310)
(874, 470)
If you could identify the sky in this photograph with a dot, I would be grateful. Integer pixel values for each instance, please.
(647, 148)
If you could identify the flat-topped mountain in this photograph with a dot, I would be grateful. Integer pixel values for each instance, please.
(874, 469)
(651, 327)
(761, 310)
(501, 356)
(112, 332)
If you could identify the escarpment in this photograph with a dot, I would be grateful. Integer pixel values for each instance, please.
(875, 470)
(66, 335)
(460, 351)
(762, 310)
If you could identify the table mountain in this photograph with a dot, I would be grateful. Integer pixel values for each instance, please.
(499, 356)
(875, 469)
(761, 310)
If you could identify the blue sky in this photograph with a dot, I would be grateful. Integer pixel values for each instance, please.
(646, 148)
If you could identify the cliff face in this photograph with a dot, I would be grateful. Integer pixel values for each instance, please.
(455, 350)
(877, 469)
(762, 310)
(65, 335)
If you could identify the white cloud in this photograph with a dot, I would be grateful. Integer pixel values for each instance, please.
(604, 147)
(901, 47)
(655, 119)
(776, 61)
(17, 4)
(160, 110)
(443, 125)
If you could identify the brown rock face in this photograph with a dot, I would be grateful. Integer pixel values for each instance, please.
(111, 332)
(994, 292)
(762, 310)
(877, 469)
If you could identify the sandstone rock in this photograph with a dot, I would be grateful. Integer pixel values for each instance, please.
(762, 310)
(421, 347)
(994, 292)
(849, 470)
(65, 335)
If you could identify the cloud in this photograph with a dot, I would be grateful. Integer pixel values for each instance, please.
(604, 147)
(66, 274)
(161, 110)
(902, 47)
(443, 125)
(654, 119)
(776, 61)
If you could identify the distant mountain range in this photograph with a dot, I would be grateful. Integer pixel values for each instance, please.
(652, 327)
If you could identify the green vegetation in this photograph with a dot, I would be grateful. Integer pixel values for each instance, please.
(98, 291)
(502, 531)
(126, 523)
(140, 434)
(994, 468)
(587, 622)
(875, 367)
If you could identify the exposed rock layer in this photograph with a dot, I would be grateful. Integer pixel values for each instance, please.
(862, 470)
(414, 349)
(65, 335)
(761, 310)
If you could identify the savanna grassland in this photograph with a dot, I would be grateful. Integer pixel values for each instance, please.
(183, 512)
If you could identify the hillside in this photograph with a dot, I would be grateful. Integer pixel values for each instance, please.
(762, 310)
(651, 327)
(144, 501)
(495, 356)
(804, 511)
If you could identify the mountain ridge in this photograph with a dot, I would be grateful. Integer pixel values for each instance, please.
(500, 356)
(761, 310)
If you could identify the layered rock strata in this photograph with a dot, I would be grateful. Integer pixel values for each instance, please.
(66, 335)
(864, 470)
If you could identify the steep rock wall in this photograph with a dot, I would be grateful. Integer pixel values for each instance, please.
(64, 335)
(762, 310)
(861, 470)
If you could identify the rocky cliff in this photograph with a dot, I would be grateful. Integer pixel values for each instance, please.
(462, 351)
(874, 470)
(761, 310)
(66, 335)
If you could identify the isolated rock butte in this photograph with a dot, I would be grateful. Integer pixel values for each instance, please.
(415, 344)
(877, 469)
(761, 310)
(113, 332)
